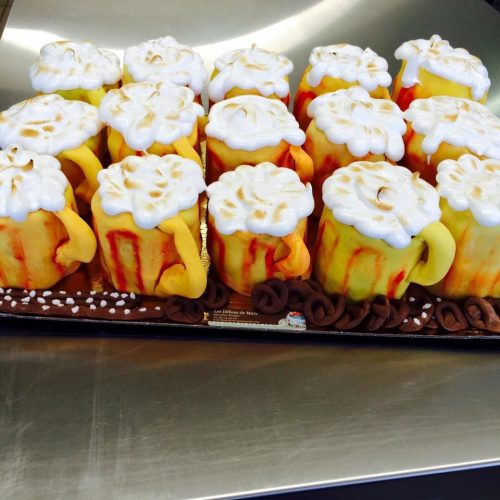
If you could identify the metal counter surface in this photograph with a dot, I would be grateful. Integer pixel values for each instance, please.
(159, 418)
(292, 27)
(145, 418)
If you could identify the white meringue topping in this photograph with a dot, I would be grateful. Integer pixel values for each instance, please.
(66, 65)
(349, 63)
(251, 122)
(252, 68)
(456, 121)
(366, 125)
(438, 57)
(166, 60)
(382, 201)
(147, 112)
(472, 184)
(264, 199)
(49, 124)
(29, 182)
(150, 188)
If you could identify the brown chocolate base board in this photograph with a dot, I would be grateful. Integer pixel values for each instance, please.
(85, 298)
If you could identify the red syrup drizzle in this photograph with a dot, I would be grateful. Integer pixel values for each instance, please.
(329, 165)
(284, 159)
(215, 166)
(269, 259)
(247, 264)
(2, 275)
(113, 237)
(350, 263)
(301, 100)
(219, 250)
(405, 97)
(18, 253)
(394, 282)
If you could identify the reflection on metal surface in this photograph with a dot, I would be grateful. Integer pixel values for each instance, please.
(290, 27)
(28, 39)
(132, 418)
(276, 35)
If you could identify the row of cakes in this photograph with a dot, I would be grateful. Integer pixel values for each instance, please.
(429, 67)
(381, 228)
(348, 124)
(162, 118)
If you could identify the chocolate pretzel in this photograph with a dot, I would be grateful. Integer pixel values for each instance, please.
(398, 312)
(450, 317)
(380, 310)
(183, 310)
(298, 291)
(321, 311)
(270, 297)
(421, 309)
(353, 315)
(482, 313)
(216, 294)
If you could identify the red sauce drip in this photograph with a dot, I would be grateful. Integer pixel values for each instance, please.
(394, 282)
(2, 275)
(269, 259)
(378, 272)
(319, 237)
(350, 264)
(284, 160)
(405, 97)
(247, 264)
(219, 251)
(19, 255)
(329, 165)
(302, 100)
(215, 166)
(114, 238)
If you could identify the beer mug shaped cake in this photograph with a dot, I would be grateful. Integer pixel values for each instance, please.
(470, 202)
(349, 125)
(433, 67)
(379, 232)
(257, 219)
(444, 128)
(337, 67)
(42, 239)
(147, 219)
(147, 117)
(79, 71)
(68, 130)
(250, 129)
(250, 71)
(165, 60)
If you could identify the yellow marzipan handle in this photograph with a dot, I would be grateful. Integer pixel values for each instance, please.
(81, 245)
(298, 260)
(184, 149)
(90, 165)
(303, 163)
(441, 252)
(95, 96)
(189, 278)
